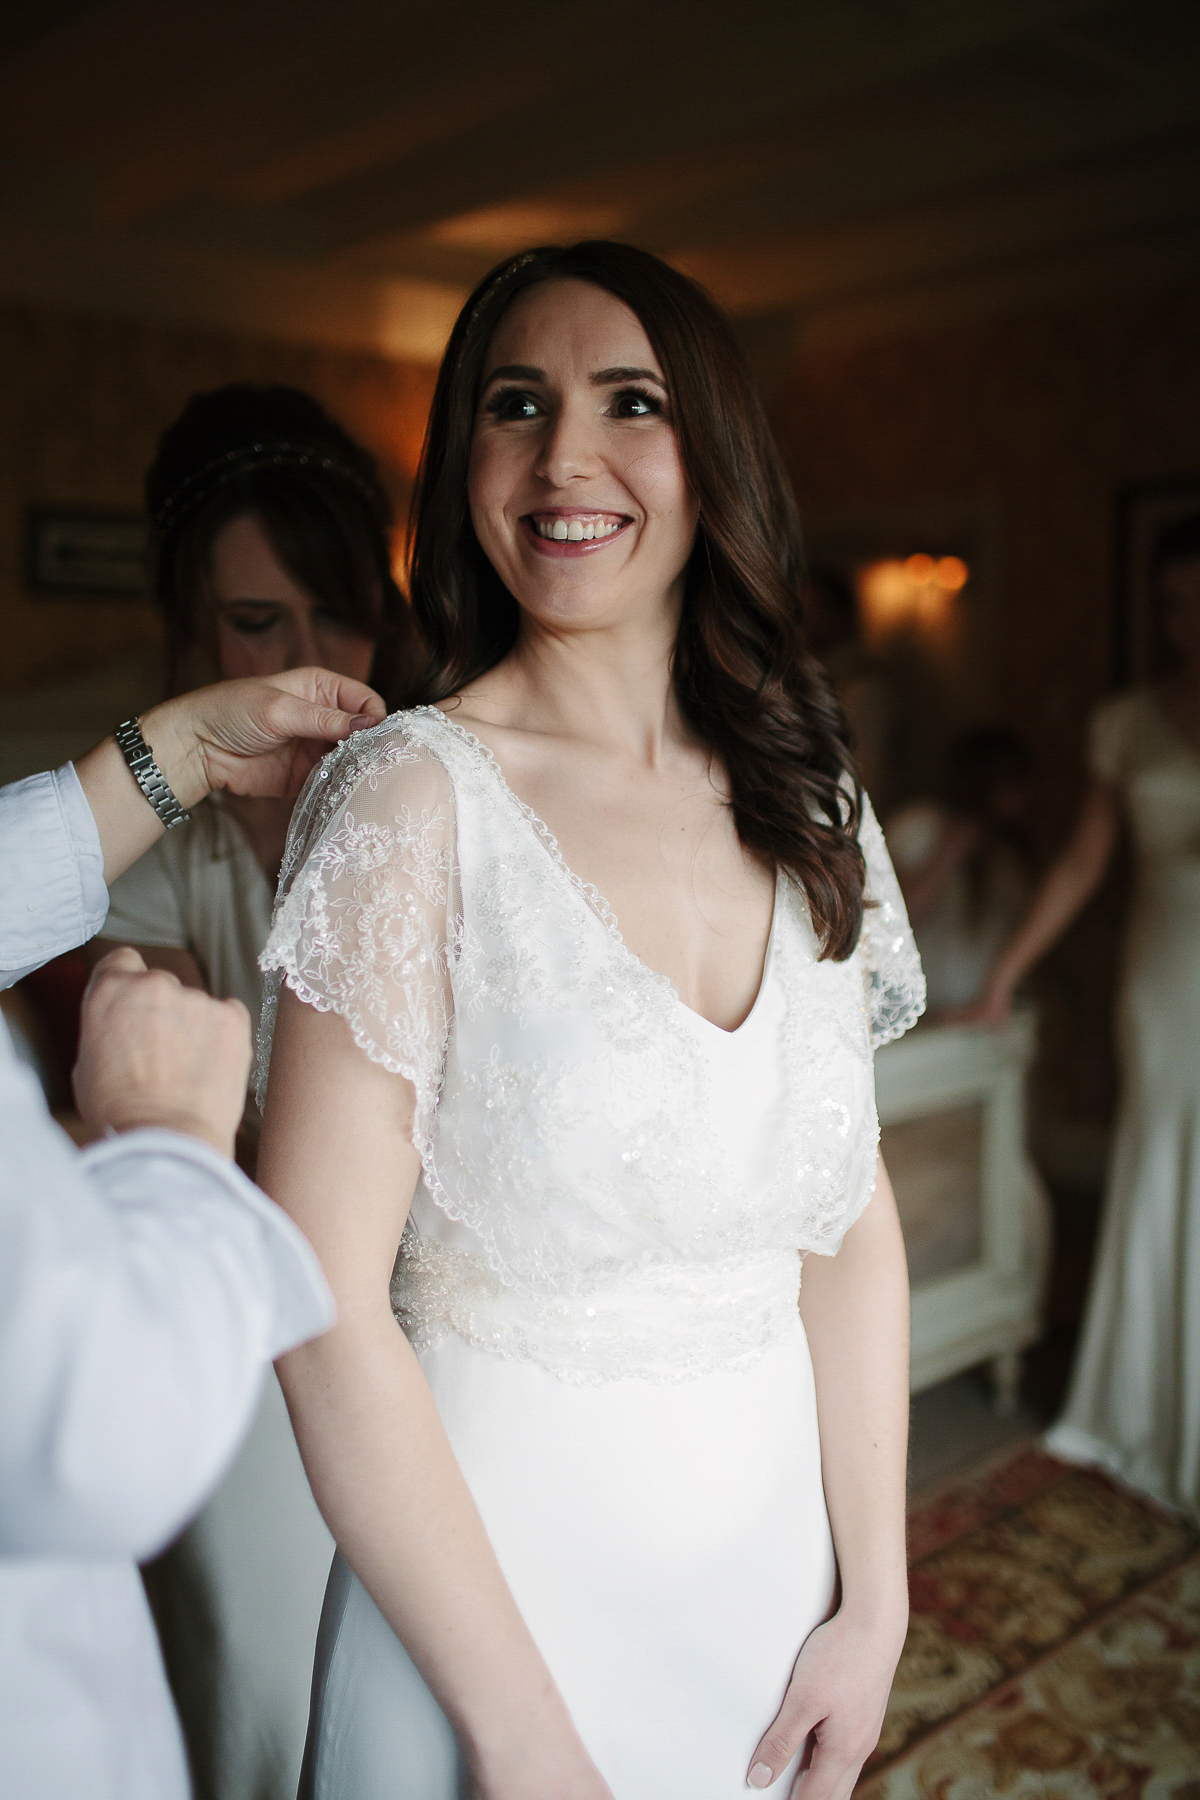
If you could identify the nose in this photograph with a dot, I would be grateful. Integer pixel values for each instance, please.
(569, 448)
(303, 650)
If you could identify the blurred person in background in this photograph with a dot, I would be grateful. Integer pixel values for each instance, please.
(272, 537)
(1133, 1406)
(145, 1284)
(965, 863)
(861, 682)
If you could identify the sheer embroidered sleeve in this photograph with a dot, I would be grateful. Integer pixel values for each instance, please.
(894, 981)
(367, 919)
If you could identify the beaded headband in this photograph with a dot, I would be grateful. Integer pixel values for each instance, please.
(500, 278)
(270, 453)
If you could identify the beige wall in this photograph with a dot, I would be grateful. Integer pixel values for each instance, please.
(1035, 422)
(82, 402)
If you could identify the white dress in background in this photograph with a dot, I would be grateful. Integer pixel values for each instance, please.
(259, 1552)
(1134, 1400)
(601, 1267)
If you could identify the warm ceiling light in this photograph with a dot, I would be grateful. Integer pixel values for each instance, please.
(911, 592)
(951, 573)
(499, 230)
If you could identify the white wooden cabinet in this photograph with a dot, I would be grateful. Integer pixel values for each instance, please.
(975, 1215)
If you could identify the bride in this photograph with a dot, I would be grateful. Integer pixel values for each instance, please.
(577, 991)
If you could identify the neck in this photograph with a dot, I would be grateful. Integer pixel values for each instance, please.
(610, 686)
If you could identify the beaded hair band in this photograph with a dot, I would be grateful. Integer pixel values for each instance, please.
(271, 453)
(498, 280)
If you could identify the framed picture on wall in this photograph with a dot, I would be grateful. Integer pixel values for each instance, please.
(1144, 511)
(98, 553)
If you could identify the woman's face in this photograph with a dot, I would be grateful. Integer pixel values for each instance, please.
(576, 487)
(263, 622)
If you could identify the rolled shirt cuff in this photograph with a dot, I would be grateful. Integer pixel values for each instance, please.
(301, 1305)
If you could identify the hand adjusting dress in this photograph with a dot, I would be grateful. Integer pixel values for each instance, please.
(601, 1267)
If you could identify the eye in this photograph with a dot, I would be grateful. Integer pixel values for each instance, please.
(251, 621)
(635, 403)
(513, 404)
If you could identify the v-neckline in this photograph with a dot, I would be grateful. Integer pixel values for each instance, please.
(596, 904)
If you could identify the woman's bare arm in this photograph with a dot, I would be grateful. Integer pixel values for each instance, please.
(1067, 886)
(855, 1311)
(337, 1155)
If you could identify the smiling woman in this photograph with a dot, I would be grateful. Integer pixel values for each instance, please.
(574, 982)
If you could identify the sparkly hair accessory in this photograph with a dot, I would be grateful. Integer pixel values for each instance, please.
(270, 453)
(499, 279)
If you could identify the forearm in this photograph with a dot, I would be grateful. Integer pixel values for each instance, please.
(252, 737)
(127, 823)
(1064, 891)
(392, 1493)
(1068, 885)
(855, 1311)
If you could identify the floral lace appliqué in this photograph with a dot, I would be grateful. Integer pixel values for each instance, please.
(563, 1103)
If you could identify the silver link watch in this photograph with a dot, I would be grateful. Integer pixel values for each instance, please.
(148, 775)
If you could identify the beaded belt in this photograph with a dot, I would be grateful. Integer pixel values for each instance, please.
(666, 1322)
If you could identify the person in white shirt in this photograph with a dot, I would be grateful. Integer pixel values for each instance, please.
(145, 1283)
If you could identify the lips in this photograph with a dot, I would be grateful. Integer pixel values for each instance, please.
(573, 532)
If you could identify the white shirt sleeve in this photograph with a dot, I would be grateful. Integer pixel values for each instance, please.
(52, 892)
(145, 1284)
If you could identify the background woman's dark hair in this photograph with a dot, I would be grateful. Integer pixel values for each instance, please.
(743, 677)
(1175, 543)
(985, 767)
(330, 526)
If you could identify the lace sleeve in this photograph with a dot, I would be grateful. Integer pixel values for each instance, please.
(366, 918)
(894, 982)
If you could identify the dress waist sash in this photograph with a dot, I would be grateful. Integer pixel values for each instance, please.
(661, 1322)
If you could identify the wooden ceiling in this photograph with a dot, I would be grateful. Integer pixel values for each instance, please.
(341, 171)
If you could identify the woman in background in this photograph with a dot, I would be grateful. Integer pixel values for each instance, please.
(272, 537)
(964, 863)
(1133, 1406)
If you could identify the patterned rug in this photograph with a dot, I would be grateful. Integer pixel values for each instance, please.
(1054, 1649)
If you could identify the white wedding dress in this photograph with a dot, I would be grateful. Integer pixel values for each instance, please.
(601, 1268)
(1134, 1400)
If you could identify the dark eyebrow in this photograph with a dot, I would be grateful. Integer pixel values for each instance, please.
(515, 372)
(599, 378)
(606, 377)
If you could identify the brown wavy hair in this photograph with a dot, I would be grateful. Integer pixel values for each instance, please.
(743, 677)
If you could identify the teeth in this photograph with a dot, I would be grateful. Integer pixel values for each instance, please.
(575, 530)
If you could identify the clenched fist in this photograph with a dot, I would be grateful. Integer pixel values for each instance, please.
(153, 1053)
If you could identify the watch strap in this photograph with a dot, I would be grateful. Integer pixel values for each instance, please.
(148, 775)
